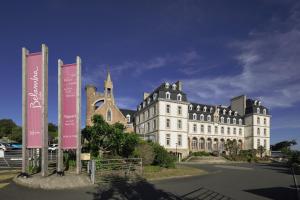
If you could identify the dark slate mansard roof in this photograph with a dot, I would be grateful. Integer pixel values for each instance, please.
(125, 112)
(252, 108)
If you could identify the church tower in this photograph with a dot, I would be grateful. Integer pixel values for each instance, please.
(108, 89)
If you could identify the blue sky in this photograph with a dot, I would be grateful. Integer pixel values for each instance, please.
(219, 49)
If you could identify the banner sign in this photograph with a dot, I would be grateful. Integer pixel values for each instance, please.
(69, 83)
(34, 83)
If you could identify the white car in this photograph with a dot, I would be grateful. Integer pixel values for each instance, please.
(3, 147)
(53, 147)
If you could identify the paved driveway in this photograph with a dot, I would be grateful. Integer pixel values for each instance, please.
(240, 181)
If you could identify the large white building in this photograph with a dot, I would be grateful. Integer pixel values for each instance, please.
(167, 117)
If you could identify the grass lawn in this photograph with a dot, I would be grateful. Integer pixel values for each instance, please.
(6, 176)
(156, 172)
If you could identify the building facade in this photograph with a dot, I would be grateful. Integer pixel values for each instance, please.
(104, 104)
(167, 117)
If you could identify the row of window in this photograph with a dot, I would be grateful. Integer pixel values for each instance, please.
(233, 120)
(151, 112)
(265, 131)
(148, 127)
(259, 143)
(179, 140)
(258, 121)
(258, 111)
(168, 96)
(209, 129)
(168, 109)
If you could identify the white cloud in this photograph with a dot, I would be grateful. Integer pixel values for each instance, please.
(270, 70)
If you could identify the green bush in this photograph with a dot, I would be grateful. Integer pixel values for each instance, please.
(162, 157)
(145, 151)
(201, 153)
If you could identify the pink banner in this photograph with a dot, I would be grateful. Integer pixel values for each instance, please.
(34, 95)
(68, 104)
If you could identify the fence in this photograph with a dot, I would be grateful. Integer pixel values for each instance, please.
(12, 159)
(101, 170)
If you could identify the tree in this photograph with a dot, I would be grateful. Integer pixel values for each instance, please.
(232, 148)
(261, 150)
(145, 151)
(284, 146)
(6, 127)
(52, 132)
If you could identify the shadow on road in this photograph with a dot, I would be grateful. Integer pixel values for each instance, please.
(122, 188)
(276, 193)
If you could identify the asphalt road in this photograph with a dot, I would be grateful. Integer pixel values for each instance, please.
(239, 181)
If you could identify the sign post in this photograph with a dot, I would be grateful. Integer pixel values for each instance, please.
(35, 105)
(69, 110)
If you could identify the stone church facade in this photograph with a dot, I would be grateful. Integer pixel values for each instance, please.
(104, 104)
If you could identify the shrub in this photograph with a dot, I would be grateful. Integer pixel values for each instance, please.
(145, 151)
(201, 153)
(162, 157)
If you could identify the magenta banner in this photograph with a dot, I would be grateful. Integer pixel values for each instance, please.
(68, 104)
(34, 95)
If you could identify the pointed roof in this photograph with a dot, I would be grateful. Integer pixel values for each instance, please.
(108, 79)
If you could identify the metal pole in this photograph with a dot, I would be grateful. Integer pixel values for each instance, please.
(45, 110)
(78, 113)
(24, 111)
(59, 151)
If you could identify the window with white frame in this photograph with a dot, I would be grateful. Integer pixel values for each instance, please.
(195, 128)
(168, 139)
(265, 132)
(148, 126)
(264, 111)
(258, 111)
(168, 123)
(258, 120)
(235, 113)
(208, 118)
(179, 140)
(128, 118)
(228, 130)
(179, 124)
(222, 130)
(144, 104)
(258, 131)
(194, 116)
(202, 128)
(265, 121)
(216, 130)
(222, 119)
(174, 86)
(149, 100)
(198, 108)
(154, 96)
(179, 97)
(240, 121)
(179, 110)
(240, 131)
(191, 107)
(265, 143)
(168, 109)
(228, 120)
(154, 124)
(211, 109)
(167, 85)
(234, 131)
(201, 117)
(148, 113)
(168, 95)
(224, 111)
(258, 143)
(229, 112)
(234, 121)
(209, 129)
(205, 108)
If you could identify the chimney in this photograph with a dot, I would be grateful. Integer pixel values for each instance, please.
(179, 85)
(146, 95)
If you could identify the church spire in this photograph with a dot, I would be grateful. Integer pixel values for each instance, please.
(108, 87)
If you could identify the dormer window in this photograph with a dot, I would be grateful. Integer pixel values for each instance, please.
(211, 109)
(259, 103)
(264, 111)
(174, 86)
(168, 95)
(222, 119)
(240, 121)
(144, 104)
(128, 118)
(218, 110)
(204, 109)
(198, 108)
(228, 120)
(224, 112)
(208, 118)
(235, 113)
(149, 100)
(140, 107)
(154, 96)
(258, 111)
(201, 117)
(255, 102)
(167, 85)
(179, 97)
(234, 121)
(191, 107)
(194, 116)
(230, 112)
